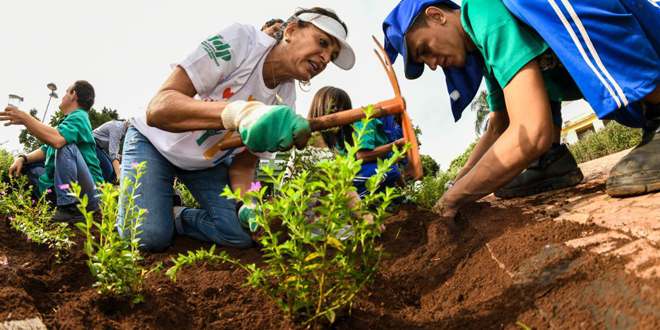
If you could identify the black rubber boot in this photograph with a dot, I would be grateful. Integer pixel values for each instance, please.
(68, 213)
(639, 171)
(555, 169)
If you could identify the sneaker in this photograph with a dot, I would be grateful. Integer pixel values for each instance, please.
(639, 171)
(555, 169)
(68, 213)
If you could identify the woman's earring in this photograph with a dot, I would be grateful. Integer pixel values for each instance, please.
(305, 83)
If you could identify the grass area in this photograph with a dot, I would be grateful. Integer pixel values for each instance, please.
(611, 139)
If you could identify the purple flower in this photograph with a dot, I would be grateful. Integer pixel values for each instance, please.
(20, 196)
(2, 193)
(64, 186)
(255, 186)
(11, 219)
(33, 201)
(49, 191)
(29, 238)
(50, 202)
(547, 246)
(146, 211)
(135, 164)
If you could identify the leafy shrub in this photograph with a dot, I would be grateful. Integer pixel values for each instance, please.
(6, 159)
(32, 218)
(427, 192)
(310, 272)
(611, 139)
(113, 259)
(187, 198)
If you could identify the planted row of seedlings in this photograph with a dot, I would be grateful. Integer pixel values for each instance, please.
(310, 272)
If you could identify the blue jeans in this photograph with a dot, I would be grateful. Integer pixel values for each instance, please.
(105, 163)
(70, 167)
(217, 222)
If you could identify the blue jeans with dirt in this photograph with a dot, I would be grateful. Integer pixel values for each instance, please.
(70, 167)
(217, 221)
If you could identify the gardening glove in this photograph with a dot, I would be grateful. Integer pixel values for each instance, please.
(266, 128)
(247, 217)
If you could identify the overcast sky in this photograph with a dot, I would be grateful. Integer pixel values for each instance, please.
(125, 48)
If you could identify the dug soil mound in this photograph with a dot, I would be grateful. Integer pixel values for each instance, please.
(503, 268)
(517, 262)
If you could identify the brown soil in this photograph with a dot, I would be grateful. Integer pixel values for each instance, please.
(505, 267)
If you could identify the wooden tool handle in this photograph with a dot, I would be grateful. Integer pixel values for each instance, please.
(337, 119)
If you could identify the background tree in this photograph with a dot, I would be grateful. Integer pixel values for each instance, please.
(481, 107)
(29, 141)
(96, 118)
(429, 165)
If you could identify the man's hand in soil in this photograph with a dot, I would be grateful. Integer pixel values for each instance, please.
(13, 116)
(266, 128)
(528, 135)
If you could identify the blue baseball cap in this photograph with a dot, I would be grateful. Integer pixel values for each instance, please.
(462, 83)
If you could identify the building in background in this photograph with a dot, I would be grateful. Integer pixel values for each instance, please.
(581, 125)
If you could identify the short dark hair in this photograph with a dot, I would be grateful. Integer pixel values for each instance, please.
(85, 92)
(302, 24)
(273, 22)
(420, 20)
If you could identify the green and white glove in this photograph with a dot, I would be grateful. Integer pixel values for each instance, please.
(265, 127)
(247, 217)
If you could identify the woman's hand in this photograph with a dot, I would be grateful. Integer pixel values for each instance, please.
(266, 128)
(13, 115)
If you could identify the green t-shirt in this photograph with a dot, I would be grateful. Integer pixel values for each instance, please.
(75, 128)
(507, 44)
(375, 138)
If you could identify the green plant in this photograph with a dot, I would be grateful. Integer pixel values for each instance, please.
(310, 272)
(32, 217)
(113, 259)
(187, 198)
(6, 159)
(613, 138)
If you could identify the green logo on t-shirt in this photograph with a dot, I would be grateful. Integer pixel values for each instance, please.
(217, 49)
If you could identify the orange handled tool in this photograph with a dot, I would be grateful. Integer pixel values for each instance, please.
(390, 107)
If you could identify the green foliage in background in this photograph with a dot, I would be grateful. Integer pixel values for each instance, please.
(613, 138)
(427, 192)
(429, 165)
(30, 142)
(187, 198)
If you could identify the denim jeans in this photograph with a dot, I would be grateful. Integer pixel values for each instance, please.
(105, 163)
(70, 167)
(217, 222)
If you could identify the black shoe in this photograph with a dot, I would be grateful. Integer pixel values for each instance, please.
(555, 169)
(639, 171)
(68, 213)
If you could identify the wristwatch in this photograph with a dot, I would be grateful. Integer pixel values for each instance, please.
(25, 161)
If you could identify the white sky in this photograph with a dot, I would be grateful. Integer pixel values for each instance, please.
(125, 48)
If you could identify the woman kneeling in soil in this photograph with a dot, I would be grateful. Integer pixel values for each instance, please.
(245, 83)
(375, 144)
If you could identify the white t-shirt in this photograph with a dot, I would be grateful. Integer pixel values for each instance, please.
(225, 67)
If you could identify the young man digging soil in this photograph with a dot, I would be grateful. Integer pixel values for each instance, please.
(533, 52)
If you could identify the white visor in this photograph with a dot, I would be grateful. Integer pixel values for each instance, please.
(346, 58)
